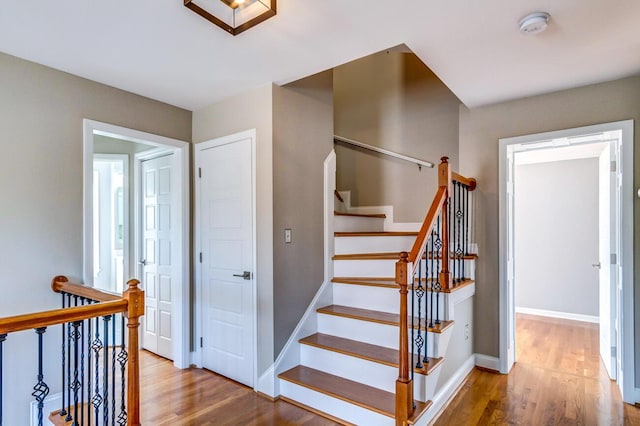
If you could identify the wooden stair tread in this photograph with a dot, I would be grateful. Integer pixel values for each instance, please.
(389, 256)
(368, 256)
(390, 282)
(376, 316)
(377, 216)
(364, 396)
(366, 351)
(376, 234)
(58, 420)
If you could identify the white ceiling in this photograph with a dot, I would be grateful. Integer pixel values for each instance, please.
(162, 50)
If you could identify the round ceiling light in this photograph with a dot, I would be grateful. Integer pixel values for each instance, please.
(534, 23)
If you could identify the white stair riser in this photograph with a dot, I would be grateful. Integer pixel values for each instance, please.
(364, 268)
(357, 224)
(373, 244)
(370, 373)
(378, 334)
(334, 406)
(386, 299)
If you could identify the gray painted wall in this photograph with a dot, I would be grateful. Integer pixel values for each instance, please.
(556, 236)
(303, 137)
(392, 100)
(41, 112)
(251, 110)
(480, 129)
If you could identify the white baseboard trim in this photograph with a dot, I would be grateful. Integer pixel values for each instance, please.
(488, 362)
(447, 392)
(557, 314)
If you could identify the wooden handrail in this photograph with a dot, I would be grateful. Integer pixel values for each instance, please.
(61, 284)
(60, 316)
(427, 225)
(470, 182)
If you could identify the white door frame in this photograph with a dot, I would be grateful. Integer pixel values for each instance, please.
(248, 134)
(626, 378)
(181, 317)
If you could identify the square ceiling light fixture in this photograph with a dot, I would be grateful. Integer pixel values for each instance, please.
(234, 16)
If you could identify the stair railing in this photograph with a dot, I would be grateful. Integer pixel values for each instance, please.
(89, 383)
(435, 264)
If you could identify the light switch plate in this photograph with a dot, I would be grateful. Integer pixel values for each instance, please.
(287, 236)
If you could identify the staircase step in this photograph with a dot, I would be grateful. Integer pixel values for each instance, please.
(367, 397)
(367, 281)
(391, 282)
(379, 216)
(376, 234)
(368, 256)
(366, 351)
(58, 420)
(376, 316)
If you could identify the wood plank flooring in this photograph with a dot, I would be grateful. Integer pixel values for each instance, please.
(558, 379)
(197, 397)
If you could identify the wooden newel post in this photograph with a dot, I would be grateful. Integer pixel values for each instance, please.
(135, 309)
(444, 179)
(404, 384)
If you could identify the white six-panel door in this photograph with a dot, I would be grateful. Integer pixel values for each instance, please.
(225, 232)
(157, 270)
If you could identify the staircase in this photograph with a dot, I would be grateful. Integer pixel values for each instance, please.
(348, 369)
(379, 349)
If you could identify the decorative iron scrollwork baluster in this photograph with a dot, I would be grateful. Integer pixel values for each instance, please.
(105, 372)
(433, 275)
(419, 293)
(123, 357)
(41, 389)
(439, 253)
(75, 384)
(68, 387)
(97, 346)
(3, 337)
(63, 409)
(113, 369)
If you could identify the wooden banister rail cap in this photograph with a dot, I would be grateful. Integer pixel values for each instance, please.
(61, 284)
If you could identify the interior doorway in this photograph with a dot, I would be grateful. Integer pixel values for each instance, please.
(109, 191)
(610, 272)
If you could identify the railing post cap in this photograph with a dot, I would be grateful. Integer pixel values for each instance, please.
(444, 159)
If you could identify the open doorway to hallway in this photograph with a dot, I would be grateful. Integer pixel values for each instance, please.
(577, 256)
(558, 229)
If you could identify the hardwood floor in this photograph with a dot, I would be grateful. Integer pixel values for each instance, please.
(198, 397)
(558, 379)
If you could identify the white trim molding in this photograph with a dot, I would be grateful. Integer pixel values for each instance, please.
(625, 296)
(556, 314)
(488, 362)
(181, 315)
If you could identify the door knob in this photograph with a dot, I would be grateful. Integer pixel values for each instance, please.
(246, 275)
(597, 265)
(143, 262)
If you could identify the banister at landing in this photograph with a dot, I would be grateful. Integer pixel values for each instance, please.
(435, 264)
(61, 284)
(91, 307)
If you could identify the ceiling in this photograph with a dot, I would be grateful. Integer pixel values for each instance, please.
(162, 50)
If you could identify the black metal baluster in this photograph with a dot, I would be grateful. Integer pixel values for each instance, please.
(105, 372)
(123, 356)
(68, 387)
(466, 221)
(63, 409)
(82, 340)
(113, 369)
(3, 337)
(96, 346)
(41, 389)
(413, 342)
(433, 277)
(419, 292)
(459, 251)
(425, 360)
(75, 385)
(440, 255)
(89, 350)
(452, 227)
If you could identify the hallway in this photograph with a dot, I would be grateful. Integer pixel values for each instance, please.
(558, 379)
